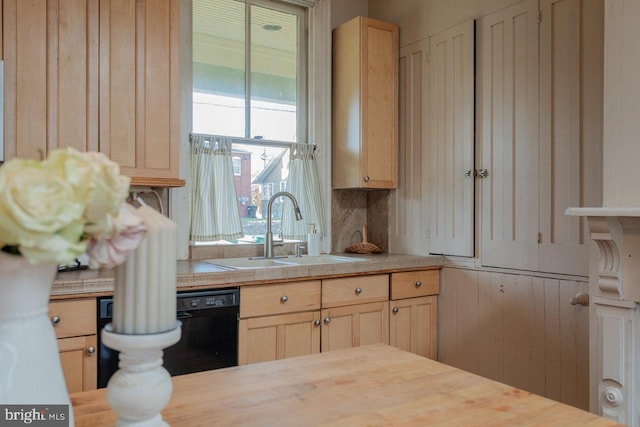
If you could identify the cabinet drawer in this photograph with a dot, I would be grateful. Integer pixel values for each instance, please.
(72, 318)
(414, 284)
(278, 299)
(355, 290)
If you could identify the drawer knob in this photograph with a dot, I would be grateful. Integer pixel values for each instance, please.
(55, 320)
(327, 320)
(91, 351)
(284, 299)
(418, 284)
(395, 310)
(366, 178)
(358, 291)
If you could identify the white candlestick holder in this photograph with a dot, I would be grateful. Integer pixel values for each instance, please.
(141, 387)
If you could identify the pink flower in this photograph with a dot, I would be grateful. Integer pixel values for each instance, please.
(128, 232)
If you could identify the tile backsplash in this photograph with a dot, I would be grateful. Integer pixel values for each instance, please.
(350, 209)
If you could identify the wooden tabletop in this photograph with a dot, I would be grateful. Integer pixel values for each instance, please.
(375, 386)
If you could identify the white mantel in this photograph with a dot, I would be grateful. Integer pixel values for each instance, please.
(614, 314)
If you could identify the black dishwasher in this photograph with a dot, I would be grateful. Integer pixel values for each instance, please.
(209, 334)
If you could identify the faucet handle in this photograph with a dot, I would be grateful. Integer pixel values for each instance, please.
(297, 250)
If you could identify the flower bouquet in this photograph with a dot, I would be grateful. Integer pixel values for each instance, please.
(54, 210)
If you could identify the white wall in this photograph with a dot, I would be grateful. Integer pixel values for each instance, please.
(621, 103)
(344, 10)
(422, 18)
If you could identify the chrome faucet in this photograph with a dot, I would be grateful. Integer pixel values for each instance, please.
(268, 238)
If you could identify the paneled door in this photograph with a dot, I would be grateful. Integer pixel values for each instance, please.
(540, 127)
(409, 218)
(571, 87)
(451, 141)
(508, 128)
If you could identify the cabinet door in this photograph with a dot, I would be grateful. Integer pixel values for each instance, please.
(413, 325)
(50, 50)
(365, 104)
(451, 140)
(139, 88)
(79, 361)
(409, 213)
(355, 325)
(571, 103)
(379, 71)
(277, 337)
(508, 120)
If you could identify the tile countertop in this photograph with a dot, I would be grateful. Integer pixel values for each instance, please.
(201, 274)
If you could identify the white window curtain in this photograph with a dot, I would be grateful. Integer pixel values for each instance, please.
(215, 215)
(304, 184)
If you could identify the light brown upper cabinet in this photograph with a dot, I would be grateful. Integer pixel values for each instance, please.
(139, 88)
(50, 76)
(98, 75)
(365, 104)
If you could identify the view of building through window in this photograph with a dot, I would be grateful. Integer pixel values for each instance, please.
(246, 81)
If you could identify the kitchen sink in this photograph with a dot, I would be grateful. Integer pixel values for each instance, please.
(250, 263)
(290, 261)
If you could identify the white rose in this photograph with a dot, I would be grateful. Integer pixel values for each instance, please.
(40, 212)
(98, 179)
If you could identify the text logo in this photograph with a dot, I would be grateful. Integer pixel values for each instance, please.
(34, 415)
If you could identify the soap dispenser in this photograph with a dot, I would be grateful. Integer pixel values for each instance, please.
(313, 241)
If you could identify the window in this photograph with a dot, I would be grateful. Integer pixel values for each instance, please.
(237, 166)
(250, 83)
(267, 190)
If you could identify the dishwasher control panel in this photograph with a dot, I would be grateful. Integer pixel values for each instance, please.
(208, 299)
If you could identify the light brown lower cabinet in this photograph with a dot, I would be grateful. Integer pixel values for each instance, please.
(298, 318)
(355, 325)
(413, 318)
(74, 322)
(278, 321)
(79, 362)
(413, 325)
(267, 338)
(355, 311)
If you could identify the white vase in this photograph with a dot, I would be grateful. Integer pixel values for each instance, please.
(31, 372)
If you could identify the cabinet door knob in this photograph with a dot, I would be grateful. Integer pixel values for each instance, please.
(91, 351)
(418, 284)
(468, 173)
(327, 320)
(395, 310)
(366, 178)
(284, 299)
(358, 291)
(317, 322)
(55, 320)
(483, 173)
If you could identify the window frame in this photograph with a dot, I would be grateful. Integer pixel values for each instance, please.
(318, 114)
